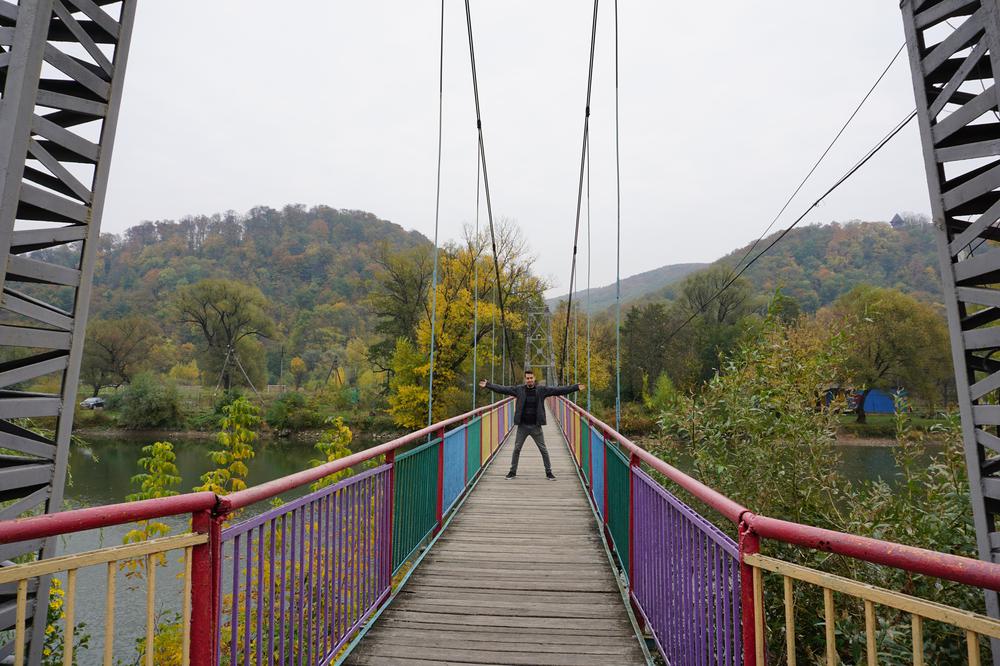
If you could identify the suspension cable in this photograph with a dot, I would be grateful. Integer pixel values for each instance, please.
(486, 180)
(579, 194)
(618, 250)
(588, 277)
(819, 161)
(850, 172)
(475, 298)
(437, 218)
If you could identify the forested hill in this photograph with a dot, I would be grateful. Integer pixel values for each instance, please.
(816, 264)
(298, 257)
(633, 287)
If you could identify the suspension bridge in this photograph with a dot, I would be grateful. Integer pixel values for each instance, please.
(427, 556)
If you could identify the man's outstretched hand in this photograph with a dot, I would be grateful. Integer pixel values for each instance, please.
(581, 387)
(482, 383)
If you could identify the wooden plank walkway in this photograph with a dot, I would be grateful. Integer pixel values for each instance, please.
(519, 577)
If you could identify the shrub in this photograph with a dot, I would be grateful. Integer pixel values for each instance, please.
(149, 402)
(291, 412)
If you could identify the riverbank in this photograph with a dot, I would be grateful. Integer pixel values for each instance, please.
(304, 436)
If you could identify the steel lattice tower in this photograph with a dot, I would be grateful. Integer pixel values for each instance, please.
(538, 353)
(62, 65)
(954, 49)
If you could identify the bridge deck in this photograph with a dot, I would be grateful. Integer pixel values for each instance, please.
(520, 577)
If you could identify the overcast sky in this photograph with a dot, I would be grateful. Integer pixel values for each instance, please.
(235, 103)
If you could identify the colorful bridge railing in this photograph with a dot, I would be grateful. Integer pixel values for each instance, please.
(700, 594)
(294, 583)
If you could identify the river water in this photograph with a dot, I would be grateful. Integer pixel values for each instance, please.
(101, 474)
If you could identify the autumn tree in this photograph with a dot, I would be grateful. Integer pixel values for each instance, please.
(894, 341)
(299, 371)
(231, 317)
(398, 297)
(456, 337)
(115, 350)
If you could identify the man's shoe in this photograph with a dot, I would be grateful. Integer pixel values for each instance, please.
(550, 476)
(511, 475)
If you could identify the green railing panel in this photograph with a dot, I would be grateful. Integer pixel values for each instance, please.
(473, 449)
(585, 450)
(414, 500)
(618, 502)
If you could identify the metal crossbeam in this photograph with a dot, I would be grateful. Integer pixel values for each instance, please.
(954, 50)
(538, 354)
(62, 66)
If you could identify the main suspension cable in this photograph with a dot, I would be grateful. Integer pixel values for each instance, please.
(486, 182)
(437, 218)
(850, 172)
(618, 250)
(819, 161)
(579, 194)
(475, 298)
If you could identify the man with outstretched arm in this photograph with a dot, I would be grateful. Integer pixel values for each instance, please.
(529, 415)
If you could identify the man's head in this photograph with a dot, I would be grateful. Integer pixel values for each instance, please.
(529, 378)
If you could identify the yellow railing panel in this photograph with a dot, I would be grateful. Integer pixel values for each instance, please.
(930, 610)
(111, 558)
(102, 556)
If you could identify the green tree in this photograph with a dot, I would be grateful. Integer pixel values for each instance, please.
(149, 402)
(115, 350)
(895, 341)
(158, 480)
(230, 316)
(236, 437)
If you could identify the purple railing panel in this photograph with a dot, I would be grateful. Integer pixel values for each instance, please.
(303, 576)
(686, 578)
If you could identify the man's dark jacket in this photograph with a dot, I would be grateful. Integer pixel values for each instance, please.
(541, 393)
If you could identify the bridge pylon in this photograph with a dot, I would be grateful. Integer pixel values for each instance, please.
(61, 72)
(538, 354)
(954, 52)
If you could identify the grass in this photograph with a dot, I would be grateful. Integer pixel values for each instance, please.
(882, 425)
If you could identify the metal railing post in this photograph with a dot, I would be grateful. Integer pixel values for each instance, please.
(439, 509)
(633, 464)
(749, 545)
(390, 460)
(206, 575)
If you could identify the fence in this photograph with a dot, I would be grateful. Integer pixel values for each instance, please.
(700, 594)
(300, 578)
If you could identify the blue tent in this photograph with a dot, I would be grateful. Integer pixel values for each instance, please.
(880, 402)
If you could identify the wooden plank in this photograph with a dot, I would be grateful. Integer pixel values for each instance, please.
(419, 639)
(560, 634)
(387, 650)
(520, 576)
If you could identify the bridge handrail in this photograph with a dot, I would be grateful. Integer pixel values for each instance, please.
(753, 526)
(78, 520)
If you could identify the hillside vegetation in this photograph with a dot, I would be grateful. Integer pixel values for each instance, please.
(813, 264)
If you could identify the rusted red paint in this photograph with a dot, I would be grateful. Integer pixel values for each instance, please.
(439, 508)
(918, 560)
(749, 545)
(78, 520)
(206, 572)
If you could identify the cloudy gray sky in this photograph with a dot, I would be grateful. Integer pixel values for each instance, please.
(234, 103)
